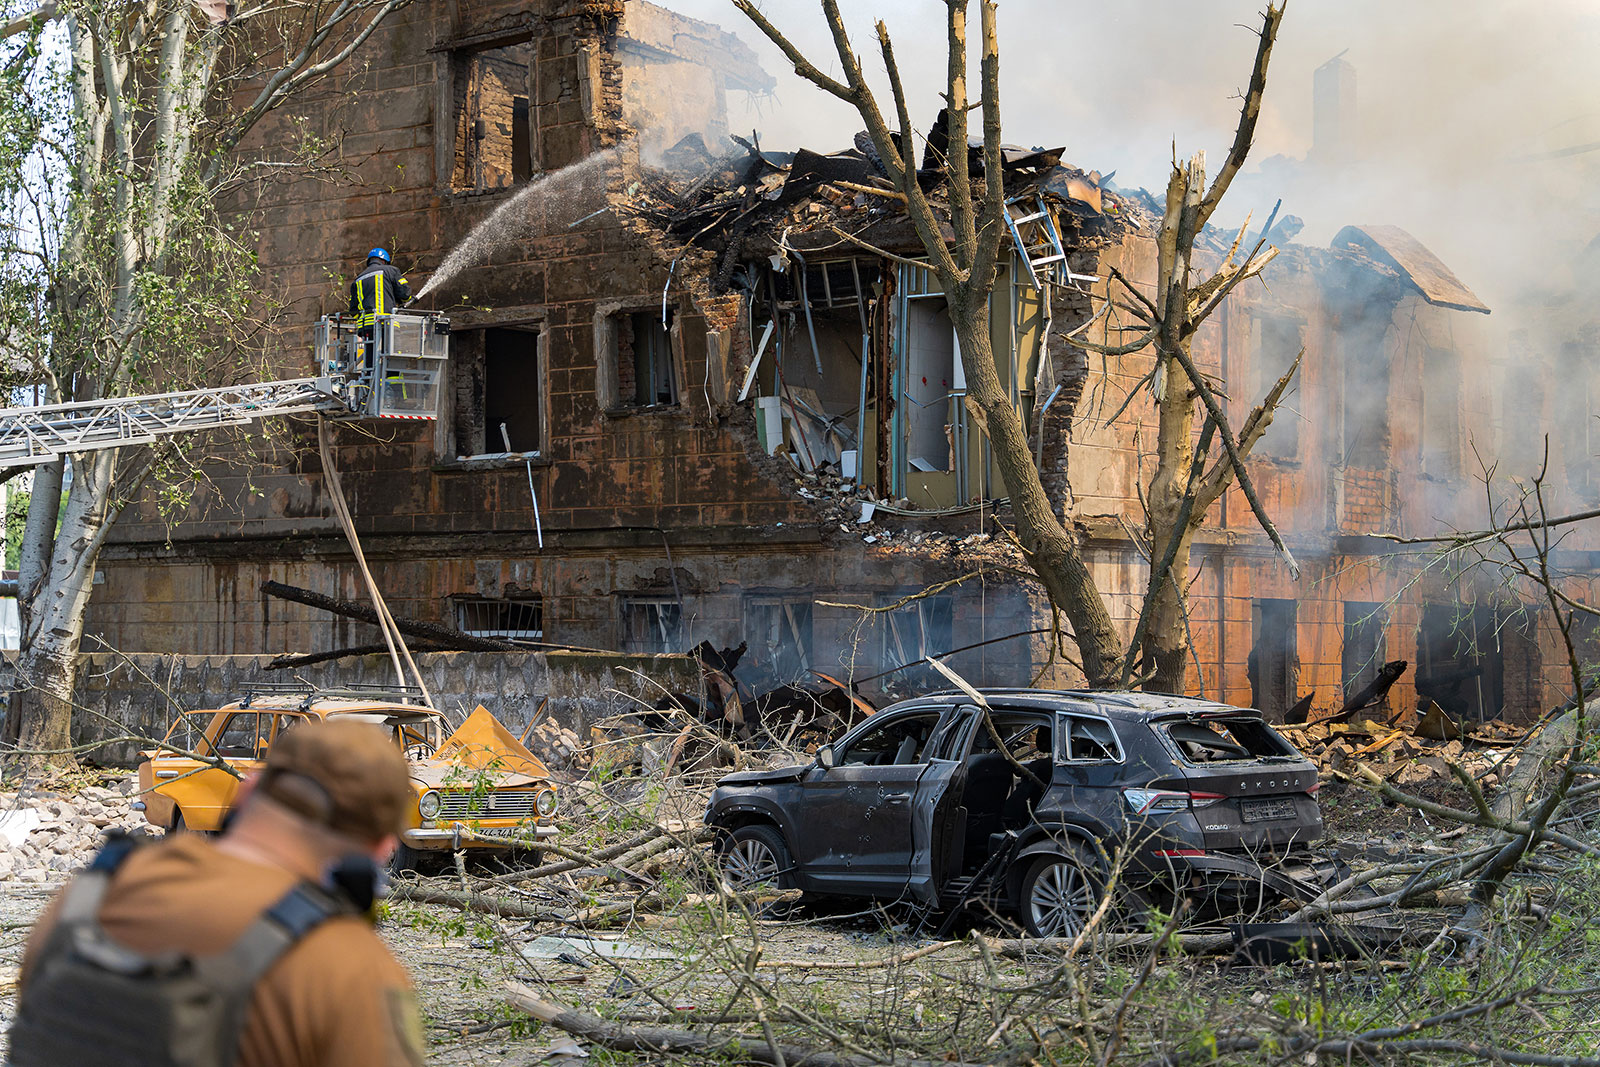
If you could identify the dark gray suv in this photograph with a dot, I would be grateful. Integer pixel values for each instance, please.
(1027, 801)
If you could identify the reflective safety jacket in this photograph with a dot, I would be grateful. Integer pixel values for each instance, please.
(380, 290)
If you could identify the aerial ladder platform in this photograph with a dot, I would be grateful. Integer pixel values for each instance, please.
(396, 373)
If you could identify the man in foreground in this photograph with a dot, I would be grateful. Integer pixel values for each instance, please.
(255, 949)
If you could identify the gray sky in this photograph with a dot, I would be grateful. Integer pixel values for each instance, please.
(1452, 93)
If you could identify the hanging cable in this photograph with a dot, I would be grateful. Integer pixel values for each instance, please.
(392, 637)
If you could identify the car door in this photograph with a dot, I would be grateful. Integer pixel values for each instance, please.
(1089, 775)
(203, 791)
(854, 826)
(937, 824)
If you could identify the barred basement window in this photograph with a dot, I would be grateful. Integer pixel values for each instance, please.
(512, 620)
(652, 626)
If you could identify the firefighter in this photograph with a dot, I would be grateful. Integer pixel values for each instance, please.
(379, 289)
(257, 949)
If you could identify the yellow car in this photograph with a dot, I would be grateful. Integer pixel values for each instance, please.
(478, 788)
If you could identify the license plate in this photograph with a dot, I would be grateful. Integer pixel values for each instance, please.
(1268, 810)
(504, 831)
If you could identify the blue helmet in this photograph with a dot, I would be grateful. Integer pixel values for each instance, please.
(380, 253)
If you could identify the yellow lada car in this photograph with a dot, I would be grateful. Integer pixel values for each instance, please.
(477, 788)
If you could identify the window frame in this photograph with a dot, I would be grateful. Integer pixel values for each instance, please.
(608, 372)
(449, 58)
(446, 435)
(630, 601)
(461, 604)
(1064, 753)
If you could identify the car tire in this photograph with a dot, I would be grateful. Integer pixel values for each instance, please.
(756, 856)
(179, 826)
(406, 860)
(1059, 893)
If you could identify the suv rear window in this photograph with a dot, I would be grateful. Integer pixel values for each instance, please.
(1226, 740)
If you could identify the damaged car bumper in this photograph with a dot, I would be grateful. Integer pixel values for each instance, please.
(460, 835)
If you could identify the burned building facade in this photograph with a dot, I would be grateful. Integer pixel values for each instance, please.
(689, 399)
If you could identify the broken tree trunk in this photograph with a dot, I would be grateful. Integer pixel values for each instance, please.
(427, 631)
(704, 1047)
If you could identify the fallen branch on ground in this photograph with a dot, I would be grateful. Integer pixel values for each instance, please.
(707, 1047)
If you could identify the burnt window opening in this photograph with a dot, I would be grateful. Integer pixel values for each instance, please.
(1441, 413)
(1461, 660)
(1522, 417)
(651, 626)
(646, 372)
(1585, 630)
(1275, 341)
(1365, 388)
(1363, 652)
(493, 142)
(1577, 413)
(1273, 665)
(510, 619)
(779, 632)
(499, 396)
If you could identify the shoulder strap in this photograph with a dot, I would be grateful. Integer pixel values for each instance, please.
(81, 900)
(234, 973)
(296, 914)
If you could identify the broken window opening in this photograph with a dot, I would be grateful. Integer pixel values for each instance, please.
(652, 626)
(933, 381)
(1461, 660)
(1362, 656)
(493, 141)
(916, 631)
(1366, 401)
(779, 632)
(499, 399)
(1275, 342)
(509, 619)
(807, 375)
(1227, 740)
(1273, 665)
(646, 372)
(1441, 413)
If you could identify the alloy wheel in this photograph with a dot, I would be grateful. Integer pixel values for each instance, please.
(750, 862)
(1060, 900)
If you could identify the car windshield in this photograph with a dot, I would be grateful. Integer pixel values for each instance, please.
(1227, 740)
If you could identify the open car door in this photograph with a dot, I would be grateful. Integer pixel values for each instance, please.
(938, 821)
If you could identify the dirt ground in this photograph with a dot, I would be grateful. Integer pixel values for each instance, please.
(673, 969)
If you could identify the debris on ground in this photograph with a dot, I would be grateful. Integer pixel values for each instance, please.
(47, 832)
(1409, 753)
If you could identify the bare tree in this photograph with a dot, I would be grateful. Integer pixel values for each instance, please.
(140, 285)
(966, 266)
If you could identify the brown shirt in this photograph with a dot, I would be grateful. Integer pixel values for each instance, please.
(336, 997)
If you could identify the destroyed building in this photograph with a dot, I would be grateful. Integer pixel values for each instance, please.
(690, 401)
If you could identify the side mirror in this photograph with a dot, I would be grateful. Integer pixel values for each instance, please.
(825, 757)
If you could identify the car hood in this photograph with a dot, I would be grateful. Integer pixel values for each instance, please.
(780, 774)
(482, 746)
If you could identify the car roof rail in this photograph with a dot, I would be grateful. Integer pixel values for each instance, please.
(397, 694)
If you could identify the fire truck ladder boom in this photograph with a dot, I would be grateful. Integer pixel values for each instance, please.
(35, 435)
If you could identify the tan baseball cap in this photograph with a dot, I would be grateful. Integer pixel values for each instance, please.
(348, 776)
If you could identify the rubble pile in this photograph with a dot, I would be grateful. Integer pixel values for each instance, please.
(46, 832)
(1408, 755)
(559, 748)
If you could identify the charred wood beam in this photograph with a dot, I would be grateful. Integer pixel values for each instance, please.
(427, 631)
(1374, 691)
(287, 661)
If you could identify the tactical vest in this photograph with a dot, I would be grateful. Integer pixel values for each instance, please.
(89, 1000)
